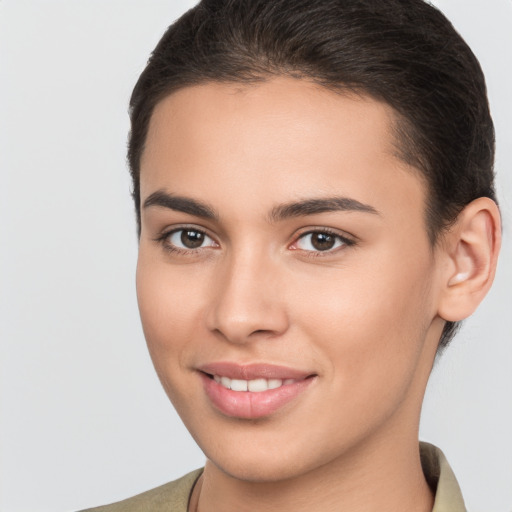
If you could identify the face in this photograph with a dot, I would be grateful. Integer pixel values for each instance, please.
(285, 280)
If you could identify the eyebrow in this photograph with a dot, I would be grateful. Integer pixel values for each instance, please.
(279, 213)
(320, 205)
(181, 204)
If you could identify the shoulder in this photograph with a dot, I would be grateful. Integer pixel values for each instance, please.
(170, 497)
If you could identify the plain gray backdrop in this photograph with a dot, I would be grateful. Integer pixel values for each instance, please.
(83, 418)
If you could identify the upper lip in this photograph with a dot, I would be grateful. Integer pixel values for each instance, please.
(253, 371)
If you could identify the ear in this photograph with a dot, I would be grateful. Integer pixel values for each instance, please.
(470, 252)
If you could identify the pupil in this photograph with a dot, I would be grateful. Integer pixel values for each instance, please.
(322, 241)
(192, 239)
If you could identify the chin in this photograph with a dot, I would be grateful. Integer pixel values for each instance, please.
(264, 456)
(258, 470)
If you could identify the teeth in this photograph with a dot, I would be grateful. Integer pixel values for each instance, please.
(238, 385)
(274, 383)
(255, 385)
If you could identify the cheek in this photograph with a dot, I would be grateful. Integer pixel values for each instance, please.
(169, 307)
(371, 321)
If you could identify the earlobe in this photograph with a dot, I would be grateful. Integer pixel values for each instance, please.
(471, 250)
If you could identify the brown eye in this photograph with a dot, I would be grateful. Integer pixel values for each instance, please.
(189, 238)
(192, 239)
(321, 241)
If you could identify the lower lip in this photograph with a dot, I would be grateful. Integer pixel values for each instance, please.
(252, 405)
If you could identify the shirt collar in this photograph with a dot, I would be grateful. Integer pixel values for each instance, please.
(439, 475)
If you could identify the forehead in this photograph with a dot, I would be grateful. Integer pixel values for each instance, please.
(283, 139)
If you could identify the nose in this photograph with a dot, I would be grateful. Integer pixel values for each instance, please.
(247, 301)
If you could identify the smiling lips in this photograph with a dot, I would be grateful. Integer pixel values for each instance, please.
(254, 385)
(252, 391)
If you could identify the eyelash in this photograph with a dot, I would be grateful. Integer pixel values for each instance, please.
(163, 239)
(345, 242)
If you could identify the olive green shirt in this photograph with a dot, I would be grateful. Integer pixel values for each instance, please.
(174, 496)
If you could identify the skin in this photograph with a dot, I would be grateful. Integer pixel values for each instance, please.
(364, 318)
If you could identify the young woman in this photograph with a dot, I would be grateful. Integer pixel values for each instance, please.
(314, 190)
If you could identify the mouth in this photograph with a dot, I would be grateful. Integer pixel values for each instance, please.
(253, 391)
(254, 385)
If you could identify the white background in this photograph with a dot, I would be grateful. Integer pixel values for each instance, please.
(83, 419)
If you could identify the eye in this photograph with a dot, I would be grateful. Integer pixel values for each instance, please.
(187, 239)
(320, 241)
